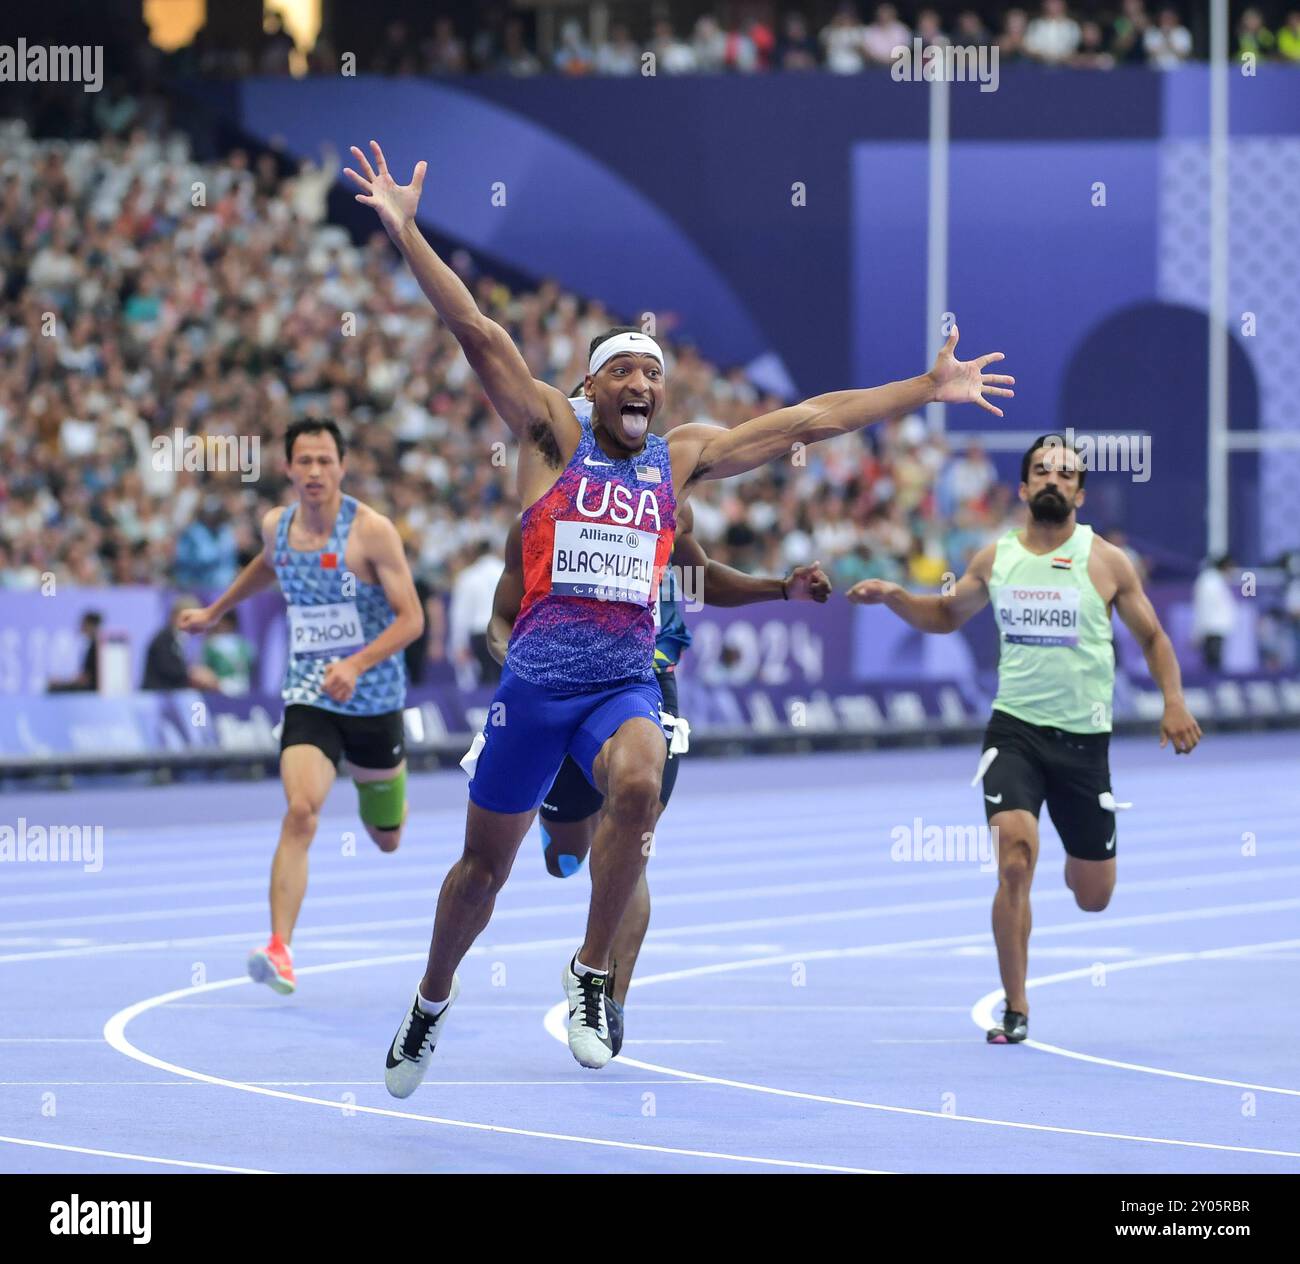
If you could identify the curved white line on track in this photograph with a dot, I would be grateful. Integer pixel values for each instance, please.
(115, 1035)
(982, 1012)
(135, 1158)
(555, 1019)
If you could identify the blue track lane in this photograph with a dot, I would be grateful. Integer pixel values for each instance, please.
(804, 1000)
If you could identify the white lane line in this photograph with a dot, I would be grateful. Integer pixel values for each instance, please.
(50, 1040)
(435, 1084)
(134, 1158)
(863, 913)
(556, 1018)
(712, 896)
(982, 1012)
(115, 1035)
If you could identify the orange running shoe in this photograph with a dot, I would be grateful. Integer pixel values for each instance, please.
(274, 965)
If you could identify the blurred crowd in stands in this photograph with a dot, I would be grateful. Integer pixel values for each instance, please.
(753, 38)
(147, 298)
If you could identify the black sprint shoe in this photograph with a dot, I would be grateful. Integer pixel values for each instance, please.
(1013, 1029)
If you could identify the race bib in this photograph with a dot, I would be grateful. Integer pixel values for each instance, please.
(607, 563)
(332, 631)
(1030, 615)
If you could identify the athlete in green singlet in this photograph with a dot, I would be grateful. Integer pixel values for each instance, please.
(1053, 584)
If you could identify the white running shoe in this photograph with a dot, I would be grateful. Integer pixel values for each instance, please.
(589, 1038)
(412, 1049)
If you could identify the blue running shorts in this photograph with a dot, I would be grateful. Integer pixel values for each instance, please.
(530, 729)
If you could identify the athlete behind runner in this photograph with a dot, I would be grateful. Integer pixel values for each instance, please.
(1053, 584)
(600, 503)
(352, 610)
(568, 813)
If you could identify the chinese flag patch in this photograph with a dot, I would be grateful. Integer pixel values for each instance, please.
(329, 561)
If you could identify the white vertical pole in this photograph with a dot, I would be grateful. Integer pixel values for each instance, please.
(1216, 510)
(936, 275)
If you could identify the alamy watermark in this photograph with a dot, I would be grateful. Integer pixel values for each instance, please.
(53, 844)
(954, 844)
(951, 63)
(53, 63)
(1108, 453)
(222, 454)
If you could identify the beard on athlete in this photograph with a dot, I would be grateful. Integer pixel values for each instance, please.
(1049, 505)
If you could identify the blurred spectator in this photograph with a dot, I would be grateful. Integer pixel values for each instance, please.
(277, 47)
(1168, 43)
(1119, 538)
(673, 56)
(1253, 36)
(842, 40)
(573, 57)
(709, 45)
(929, 29)
(1011, 39)
(471, 611)
(1091, 53)
(87, 679)
(884, 34)
(1128, 42)
(164, 661)
(206, 553)
(971, 31)
(796, 49)
(1053, 36)
(444, 52)
(1214, 610)
(620, 56)
(516, 57)
(229, 656)
(1288, 38)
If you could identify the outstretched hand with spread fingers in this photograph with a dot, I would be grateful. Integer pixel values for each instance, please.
(394, 203)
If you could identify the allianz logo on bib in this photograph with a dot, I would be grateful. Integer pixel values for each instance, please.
(616, 501)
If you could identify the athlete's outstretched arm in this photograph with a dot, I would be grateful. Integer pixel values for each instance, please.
(1135, 608)
(725, 586)
(489, 349)
(701, 451)
(944, 613)
(508, 597)
(259, 574)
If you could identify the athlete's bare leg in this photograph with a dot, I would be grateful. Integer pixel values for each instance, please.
(469, 891)
(1092, 882)
(1017, 834)
(307, 776)
(628, 772)
(568, 838)
(574, 838)
(385, 840)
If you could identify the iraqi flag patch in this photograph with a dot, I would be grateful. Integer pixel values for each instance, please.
(648, 473)
(1061, 563)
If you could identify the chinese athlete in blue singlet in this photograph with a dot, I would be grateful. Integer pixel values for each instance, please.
(352, 609)
(600, 504)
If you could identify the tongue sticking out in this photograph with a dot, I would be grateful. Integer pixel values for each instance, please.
(635, 423)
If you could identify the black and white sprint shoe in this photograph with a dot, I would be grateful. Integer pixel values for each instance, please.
(589, 1037)
(412, 1049)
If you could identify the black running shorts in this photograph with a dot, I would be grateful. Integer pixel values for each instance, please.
(1071, 771)
(573, 798)
(368, 741)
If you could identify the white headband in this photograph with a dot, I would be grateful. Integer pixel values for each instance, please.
(638, 344)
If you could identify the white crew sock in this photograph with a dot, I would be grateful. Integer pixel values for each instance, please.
(430, 1007)
(579, 969)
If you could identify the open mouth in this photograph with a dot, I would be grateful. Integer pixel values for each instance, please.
(636, 417)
